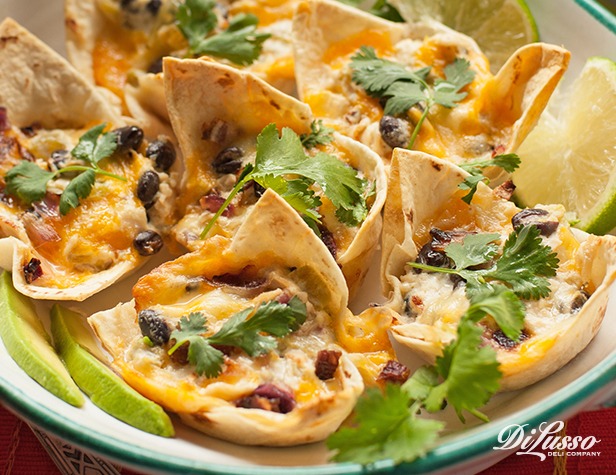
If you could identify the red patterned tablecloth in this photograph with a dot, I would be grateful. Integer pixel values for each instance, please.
(22, 454)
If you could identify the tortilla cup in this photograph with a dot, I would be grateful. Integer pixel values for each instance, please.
(208, 104)
(494, 117)
(53, 104)
(290, 255)
(428, 318)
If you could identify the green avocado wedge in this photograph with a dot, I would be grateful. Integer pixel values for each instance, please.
(29, 345)
(76, 346)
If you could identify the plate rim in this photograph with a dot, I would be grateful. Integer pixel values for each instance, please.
(478, 441)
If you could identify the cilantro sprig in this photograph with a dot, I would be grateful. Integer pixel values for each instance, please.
(282, 156)
(28, 181)
(520, 272)
(386, 424)
(402, 88)
(243, 330)
(240, 43)
(380, 8)
(508, 162)
(319, 135)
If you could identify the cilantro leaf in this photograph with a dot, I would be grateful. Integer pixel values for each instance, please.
(92, 149)
(404, 89)
(380, 8)
(508, 162)
(519, 272)
(525, 264)
(79, 187)
(503, 305)
(403, 96)
(27, 181)
(470, 372)
(196, 19)
(376, 75)
(319, 135)
(384, 9)
(301, 198)
(474, 250)
(386, 427)
(457, 75)
(280, 156)
(205, 358)
(274, 318)
(239, 43)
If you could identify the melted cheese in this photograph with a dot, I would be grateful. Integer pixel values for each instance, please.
(95, 235)
(291, 366)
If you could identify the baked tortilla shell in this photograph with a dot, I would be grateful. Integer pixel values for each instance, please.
(415, 176)
(39, 79)
(207, 102)
(198, 401)
(496, 115)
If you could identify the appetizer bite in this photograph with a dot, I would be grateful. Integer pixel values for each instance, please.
(420, 86)
(238, 337)
(227, 123)
(82, 203)
(119, 45)
(537, 288)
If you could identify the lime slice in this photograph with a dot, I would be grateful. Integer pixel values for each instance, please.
(498, 26)
(570, 156)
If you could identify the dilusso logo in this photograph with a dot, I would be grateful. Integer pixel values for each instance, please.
(546, 438)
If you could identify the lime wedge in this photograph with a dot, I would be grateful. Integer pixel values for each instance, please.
(570, 156)
(498, 26)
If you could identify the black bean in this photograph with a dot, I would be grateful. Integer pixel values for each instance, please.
(32, 270)
(394, 131)
(156, 66)
(129, 138)
(153, 6)
(536, 217)
(148, 243)
(153, 325)
(59, 158)
(428, 256)
(507, 343)
(258, 189)
(163, 153)
(579, 300)
(148, 186)
(229, 160)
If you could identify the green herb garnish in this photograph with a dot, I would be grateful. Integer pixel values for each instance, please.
(319, 135)
(239, 43)
(386, 424)
(380, 8)
(280, 156)
(404, 89)
(28, 181)
(241, 330)
(508, 162)
(520, 272)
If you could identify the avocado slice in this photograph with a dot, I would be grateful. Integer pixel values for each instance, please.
(76, 345)
(29, 345)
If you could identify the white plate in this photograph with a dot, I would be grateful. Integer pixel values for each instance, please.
(583, 28)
